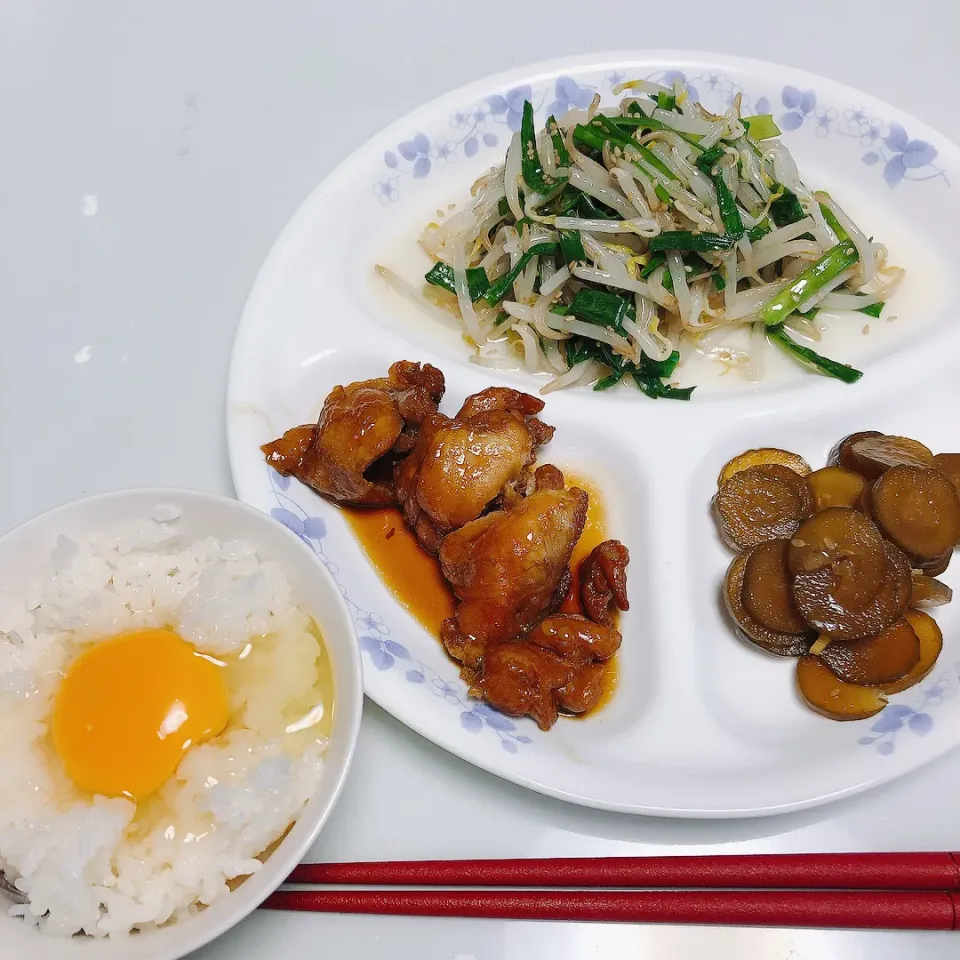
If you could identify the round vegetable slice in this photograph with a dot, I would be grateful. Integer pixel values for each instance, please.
(815, 598)
(931, 643)
(933, 568)
(760, 457)
(779, 644)
(847, 547)
(928, 591)
(918, 509)
(767, 591)
(842, 453)
(836, 487)
(949, 463)
(762, 503)
(873, 456)
(826, 694)
(884, 658)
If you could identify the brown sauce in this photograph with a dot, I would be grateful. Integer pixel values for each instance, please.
(409, 573)
(415, 580)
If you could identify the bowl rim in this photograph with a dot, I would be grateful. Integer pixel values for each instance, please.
(313, 815)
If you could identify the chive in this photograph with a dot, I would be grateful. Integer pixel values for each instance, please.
(562, 203)
(499, 289)
(760, 230)
(809, 283)
(831, 368)
(786, 208)
(761, 126)
(571, 246)
(501, 317)
(874, 310)
(600, 131)
(661, 191)
(666, 101)
(659, 368)
(561, 309)
(655, 261)
(667, 280)
(834, 223)
(718, 281)
(729, 211)
(600, 307)
(441, 275)
(531, 168)
(685, 240)
(559, 147)
(587, 207)
(643, 122)
(503, 208)
(709, 158)
(611, 380)
(656, 389)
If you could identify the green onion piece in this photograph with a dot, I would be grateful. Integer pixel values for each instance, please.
(685, 240)
(531, 168)
(571, 246)
(503, 208)
(600, 307)
(809, 283)
(661, 191)
(441, 275)
(874, 310)
(826, 366)
(761, 126)
(559, 147)
(729, 211)
(707, 160)
(760, 230)
(719, 282)
(654, 262)
(786, 208)
(499, 289)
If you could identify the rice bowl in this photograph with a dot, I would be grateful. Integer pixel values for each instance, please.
(226, 579)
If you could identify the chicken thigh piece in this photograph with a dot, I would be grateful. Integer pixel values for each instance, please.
(509, 568)
(462, 465)
(361, 424)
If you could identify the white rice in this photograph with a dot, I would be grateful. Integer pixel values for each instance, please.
(105, 866)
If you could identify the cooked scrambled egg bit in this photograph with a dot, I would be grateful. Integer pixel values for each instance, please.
(130, 707)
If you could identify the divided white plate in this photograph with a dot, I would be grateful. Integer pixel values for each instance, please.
(701, 725)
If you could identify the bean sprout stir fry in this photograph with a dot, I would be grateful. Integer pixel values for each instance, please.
(605, 237)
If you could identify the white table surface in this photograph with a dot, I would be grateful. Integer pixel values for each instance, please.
(150, 155)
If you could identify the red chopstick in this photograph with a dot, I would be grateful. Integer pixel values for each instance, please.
(817, 871)
(879, 910)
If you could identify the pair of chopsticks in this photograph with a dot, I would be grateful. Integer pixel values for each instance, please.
(888, 891)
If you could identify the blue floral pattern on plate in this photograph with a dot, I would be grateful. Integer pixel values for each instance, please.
(381, 649)
(480, 126)
(916, 718)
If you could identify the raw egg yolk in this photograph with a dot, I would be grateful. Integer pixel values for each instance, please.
(131, 706)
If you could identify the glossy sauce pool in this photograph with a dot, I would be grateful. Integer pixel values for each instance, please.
(415, 580)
